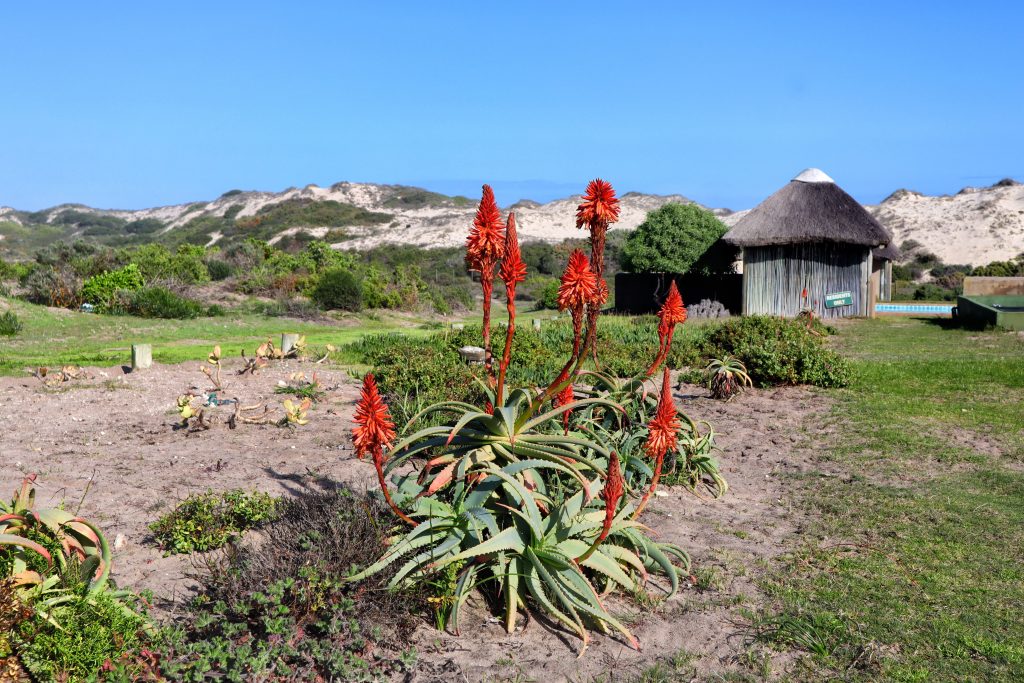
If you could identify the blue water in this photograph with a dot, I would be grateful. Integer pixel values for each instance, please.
(914, 308)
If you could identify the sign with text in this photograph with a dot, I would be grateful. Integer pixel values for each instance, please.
(838, 299)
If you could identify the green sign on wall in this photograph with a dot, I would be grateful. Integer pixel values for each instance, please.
(838, 299)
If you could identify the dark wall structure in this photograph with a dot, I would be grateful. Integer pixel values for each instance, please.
(639, 293)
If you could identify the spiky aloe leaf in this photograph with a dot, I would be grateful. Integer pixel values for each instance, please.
(12, 540)
(538, 587)
(433, 555)
(463, 587)
(510, 539)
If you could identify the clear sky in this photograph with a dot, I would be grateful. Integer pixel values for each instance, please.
(130, 105)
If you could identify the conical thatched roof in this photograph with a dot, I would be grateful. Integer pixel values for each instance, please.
(811, 208)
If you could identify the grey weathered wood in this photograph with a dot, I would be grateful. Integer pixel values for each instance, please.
(536, 324)
(288, 342)
(142, 356)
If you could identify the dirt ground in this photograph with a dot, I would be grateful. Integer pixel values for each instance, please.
(111, 442)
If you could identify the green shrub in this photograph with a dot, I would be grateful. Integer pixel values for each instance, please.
(158, 302)
(101, 290)
(338, 289)
(9, 324)
(675, 239)
(219, 270)
(94, 629)
(778, 351)
(414, 373)
(208, 521)
(547, 295)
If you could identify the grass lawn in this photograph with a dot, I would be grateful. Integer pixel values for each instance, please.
(52, 337)
(914, 568)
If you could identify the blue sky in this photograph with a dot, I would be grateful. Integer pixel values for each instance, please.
(128, 105)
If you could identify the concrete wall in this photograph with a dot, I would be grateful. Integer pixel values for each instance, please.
(994, 286)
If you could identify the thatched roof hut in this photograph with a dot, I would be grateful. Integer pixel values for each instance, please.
(809, 237)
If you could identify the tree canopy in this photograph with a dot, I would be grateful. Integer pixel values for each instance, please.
(678, 238)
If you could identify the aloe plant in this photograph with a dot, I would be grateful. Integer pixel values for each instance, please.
(526, 497)
(54, 557)
(727, 377)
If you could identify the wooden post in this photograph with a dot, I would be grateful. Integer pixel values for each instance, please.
(142, 356)
(536, 324)
(288, 342)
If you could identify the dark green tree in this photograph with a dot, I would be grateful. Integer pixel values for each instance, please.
(678, 238)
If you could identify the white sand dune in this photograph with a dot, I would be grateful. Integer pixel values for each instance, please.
(975, 226)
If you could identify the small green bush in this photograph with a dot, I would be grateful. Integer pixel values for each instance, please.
(219, 270)
(101, 290)
(209, 520)
(9, 324)
(547, 295)
(778, 351)
(338, 289)
(95, 629)
(158, 302)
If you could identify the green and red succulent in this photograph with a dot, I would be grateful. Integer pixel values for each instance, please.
(534, 497)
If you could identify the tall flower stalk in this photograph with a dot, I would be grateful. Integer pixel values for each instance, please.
(663, 434)
(512, 272)
(672, 313)
(599, 209)
(578, 290)
(485, 246)
(373, 432)
(614, 489)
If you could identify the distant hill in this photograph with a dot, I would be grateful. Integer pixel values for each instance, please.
(974, 226)
(348, 215)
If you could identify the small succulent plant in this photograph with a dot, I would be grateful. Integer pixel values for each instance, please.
(727, 377)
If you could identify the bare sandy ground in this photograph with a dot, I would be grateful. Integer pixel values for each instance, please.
(113, 440)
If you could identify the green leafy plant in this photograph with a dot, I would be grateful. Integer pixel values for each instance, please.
(209, 520)
(101, 290)
(677, 238)
(727, 377)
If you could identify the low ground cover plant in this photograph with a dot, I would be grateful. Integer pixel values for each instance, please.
(283, 610)
(207, 521)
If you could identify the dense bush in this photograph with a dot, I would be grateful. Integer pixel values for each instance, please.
(219, 270)
(157, 302)
(101, 290)
(9, 324)
(779, 351)
(675, 239)
(209, 520)
(338, 289)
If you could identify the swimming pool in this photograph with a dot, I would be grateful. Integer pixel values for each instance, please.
(927, 309)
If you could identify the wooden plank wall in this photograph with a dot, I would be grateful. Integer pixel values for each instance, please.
(774, 278)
